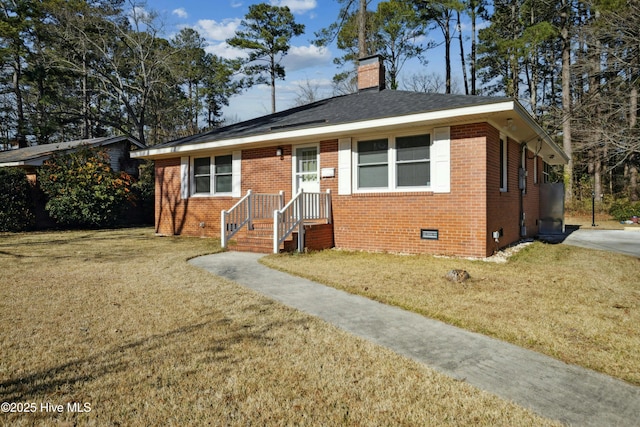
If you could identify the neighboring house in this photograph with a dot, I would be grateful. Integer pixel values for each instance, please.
(30, 158)
(381, 170)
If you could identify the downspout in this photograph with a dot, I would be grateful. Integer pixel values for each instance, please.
(522, 186)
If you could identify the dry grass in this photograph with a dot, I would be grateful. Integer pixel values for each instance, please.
(578, 305)
(119, 320)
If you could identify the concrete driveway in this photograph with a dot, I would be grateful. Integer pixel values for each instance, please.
(621, 241)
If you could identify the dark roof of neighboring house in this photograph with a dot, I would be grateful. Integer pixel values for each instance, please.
(35, 153)
(364, 105)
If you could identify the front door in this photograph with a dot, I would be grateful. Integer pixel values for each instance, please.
(307, 174)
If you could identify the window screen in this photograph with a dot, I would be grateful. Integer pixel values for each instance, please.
(413, 167)
(223, 169)
(202, 174)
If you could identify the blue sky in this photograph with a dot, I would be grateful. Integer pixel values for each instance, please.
(217, 20)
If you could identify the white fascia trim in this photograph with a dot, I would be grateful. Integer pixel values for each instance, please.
(335, 129)
(541, 132)
(11, 164)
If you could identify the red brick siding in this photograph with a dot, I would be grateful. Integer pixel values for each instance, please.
(531, 199)
(264, 172)
(318, 237)
(392, 221)
(503, 207)
(370, 75)
(177, 216)
(329, 159)
(465, 217)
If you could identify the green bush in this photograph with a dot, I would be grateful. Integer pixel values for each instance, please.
(16, 204)
(624, 209)
(82, 190)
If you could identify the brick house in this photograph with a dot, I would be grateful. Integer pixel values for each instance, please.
(30, 158)
(378, 170)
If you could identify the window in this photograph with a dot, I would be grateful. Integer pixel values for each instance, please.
(223, 174)
(413, 167)
(373, 164)
(202, 175)
(503, 164)
(397, 163)
(213, 173)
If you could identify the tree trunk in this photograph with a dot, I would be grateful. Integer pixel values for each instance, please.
(464, 67)
(362, 29)
(273, 85)
(633, 181)
(473, 49)
(21, 125)
(634, 194)
(447, 55)
(566, 99)
(594, 89)
(86, 124)
(535, 74)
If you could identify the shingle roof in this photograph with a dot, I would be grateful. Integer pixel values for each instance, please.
(46, 150)
(364, 105)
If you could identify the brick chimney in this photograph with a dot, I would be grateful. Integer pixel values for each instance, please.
(371, 73)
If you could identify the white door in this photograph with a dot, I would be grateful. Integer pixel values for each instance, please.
(307, 174)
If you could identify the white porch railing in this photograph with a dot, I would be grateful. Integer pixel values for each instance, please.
(303, 207)
(250, 207)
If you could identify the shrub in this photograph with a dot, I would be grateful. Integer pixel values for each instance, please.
(16, 204)
(82, 189)
(623, 209)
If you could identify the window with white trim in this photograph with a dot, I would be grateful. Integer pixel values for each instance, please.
(202, 175)
(373, 164)
(215, 173)
(397, 163)
(413, 164)
(223, 174)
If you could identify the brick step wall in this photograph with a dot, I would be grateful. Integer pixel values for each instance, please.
(260, 238)
(262, 244)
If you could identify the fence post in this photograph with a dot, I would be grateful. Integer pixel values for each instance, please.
(281, 193)
(328, 212)
(276, 231)
(249, 210)
(223, 229)
(301, 221)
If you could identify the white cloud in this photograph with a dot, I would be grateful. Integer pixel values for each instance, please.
(180, 13)
(139, 13)
(300, 57)
(219, 31)
(236, 4)
(296, 6)
(223, 50)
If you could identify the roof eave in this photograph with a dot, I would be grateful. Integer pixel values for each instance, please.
(541, 133)
(328, 131)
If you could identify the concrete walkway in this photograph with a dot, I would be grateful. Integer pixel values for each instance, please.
(621, 241)
(553, 389)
